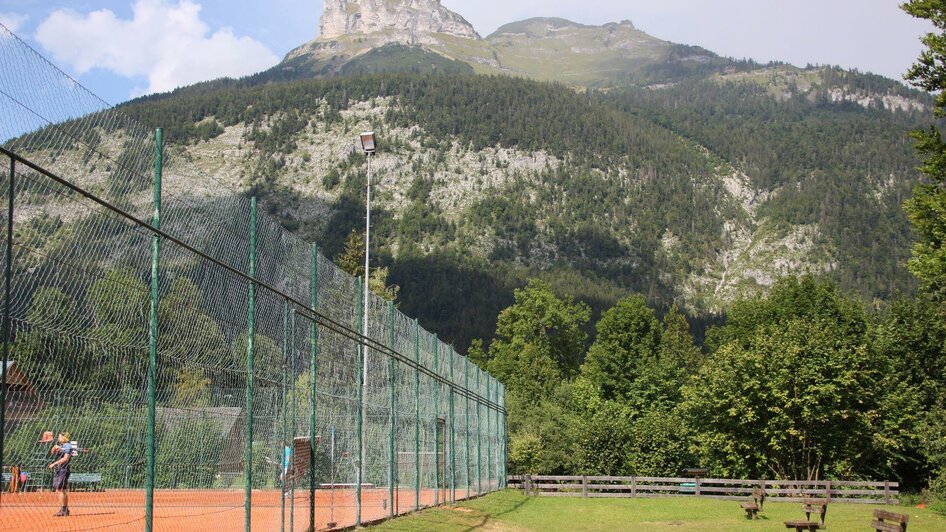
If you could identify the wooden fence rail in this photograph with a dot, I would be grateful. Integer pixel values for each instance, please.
(716, 488)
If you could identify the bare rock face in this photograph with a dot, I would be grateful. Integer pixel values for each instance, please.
(408, 22)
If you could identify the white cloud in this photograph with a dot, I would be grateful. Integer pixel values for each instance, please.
(13, 21)
(164, 41)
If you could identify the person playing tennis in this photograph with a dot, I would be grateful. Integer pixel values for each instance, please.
(62, 470)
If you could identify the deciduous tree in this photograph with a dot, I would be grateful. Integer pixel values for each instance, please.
(927, 208)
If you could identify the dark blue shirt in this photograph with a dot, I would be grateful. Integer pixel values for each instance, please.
(65, 450)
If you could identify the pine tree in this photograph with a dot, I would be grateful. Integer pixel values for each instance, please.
(352, 260)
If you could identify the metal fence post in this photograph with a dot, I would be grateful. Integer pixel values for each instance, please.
(57, 403)
(153, 330)
(466, 387)
(489, 438)
(391, 417)
(313, 375)
(505, 438)
(7, 278)
(479, 445)
(416, 414)
(292, 397)
(250, 348)
(283, 463)
(453, 435)
(130, 438)
(436, 422)
(362, 357)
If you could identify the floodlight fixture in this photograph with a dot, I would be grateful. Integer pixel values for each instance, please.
(368, 143)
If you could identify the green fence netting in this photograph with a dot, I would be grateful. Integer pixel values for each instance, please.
(373, 426)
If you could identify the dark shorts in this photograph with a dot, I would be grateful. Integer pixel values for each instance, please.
(61, 480)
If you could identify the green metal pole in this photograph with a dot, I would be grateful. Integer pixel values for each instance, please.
(391, 417)
(153, 329)
(129, 438)
(57, 400)
(203, 430)
(437, 421)
(466, 386)
(489, 439)
(292, 396)
(505, 439)
(7, 277)
(273, 405)
(361, 405)
(313, 376)
(282, 452)
(250, 348)
(416, 414)
(453, 436)
(479, 445)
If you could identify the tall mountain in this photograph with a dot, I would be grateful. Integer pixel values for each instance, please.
(410, 22)
(423, 32)
(554, 49)
(350, 30)
(694, 179)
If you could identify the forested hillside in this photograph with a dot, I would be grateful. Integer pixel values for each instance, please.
(695, 193)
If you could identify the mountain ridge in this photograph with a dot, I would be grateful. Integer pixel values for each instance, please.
(543, 48)
(693, 179)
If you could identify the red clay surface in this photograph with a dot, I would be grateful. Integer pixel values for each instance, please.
(217, 510)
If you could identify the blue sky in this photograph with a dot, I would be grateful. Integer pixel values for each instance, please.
(124, 48)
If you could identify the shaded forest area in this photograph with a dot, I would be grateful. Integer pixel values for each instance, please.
(638, 164)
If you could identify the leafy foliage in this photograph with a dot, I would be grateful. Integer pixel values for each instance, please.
(927, 208)
(628, 339)
(539, 340)
(800, 384)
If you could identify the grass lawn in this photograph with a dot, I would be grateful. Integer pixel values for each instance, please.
(511, 511)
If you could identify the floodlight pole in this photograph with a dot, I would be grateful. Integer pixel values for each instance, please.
(364, 317)
(368, 144)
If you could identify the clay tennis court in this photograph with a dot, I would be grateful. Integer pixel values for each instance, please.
(218, 510)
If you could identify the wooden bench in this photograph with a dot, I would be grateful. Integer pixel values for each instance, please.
(87, 481)
(804, 525)
(885, 521)
(754, 506)
(815, 506)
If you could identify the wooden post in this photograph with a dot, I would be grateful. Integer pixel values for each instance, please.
(526, 483)
(887, 492)
(697, 486)
(584, 486)
(827, 490)
(634, 486)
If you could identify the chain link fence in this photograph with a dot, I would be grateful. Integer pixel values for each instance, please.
(208, 365)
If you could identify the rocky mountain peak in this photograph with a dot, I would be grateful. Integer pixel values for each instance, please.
(395, 21)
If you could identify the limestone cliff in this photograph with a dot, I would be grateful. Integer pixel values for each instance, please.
(410, 22)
